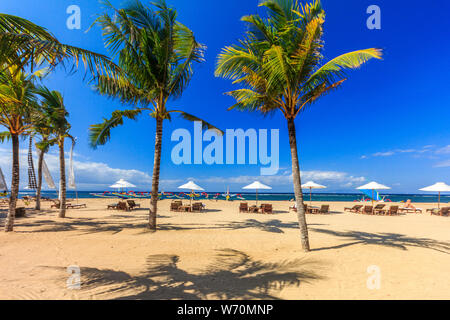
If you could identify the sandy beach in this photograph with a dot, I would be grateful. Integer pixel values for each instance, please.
(223, 254)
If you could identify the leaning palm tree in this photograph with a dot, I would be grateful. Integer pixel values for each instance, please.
(156, 52)
(279, 67)
(59, 128)
(18, 110)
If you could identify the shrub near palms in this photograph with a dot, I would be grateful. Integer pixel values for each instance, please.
(279, 67)
(157, 54)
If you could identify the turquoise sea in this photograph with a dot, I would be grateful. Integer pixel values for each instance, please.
(341, 197)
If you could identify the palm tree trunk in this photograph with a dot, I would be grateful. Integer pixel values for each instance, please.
(298, 186)
(62, 182)
(39, 182)
(155, 181)
(9, 224)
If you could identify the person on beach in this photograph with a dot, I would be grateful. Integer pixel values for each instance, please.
(409, 205)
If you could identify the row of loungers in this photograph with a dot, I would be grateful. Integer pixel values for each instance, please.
(129, 205)
(379, 209)
(324, 209)
(264, 208)
(177, 206)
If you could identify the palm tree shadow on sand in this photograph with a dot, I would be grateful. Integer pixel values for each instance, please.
(232, 275)
(393, 240)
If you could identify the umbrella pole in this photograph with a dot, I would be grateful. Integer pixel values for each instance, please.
(439, 201)
(372, 196)
(310, 196)
(256, 197)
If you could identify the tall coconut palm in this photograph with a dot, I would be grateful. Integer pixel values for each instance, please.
(18, 109)
(43, 129)
(156, 52)
(59, 127)
(279, 67)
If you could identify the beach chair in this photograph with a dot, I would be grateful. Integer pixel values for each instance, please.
(175, 205)
(123, 206)
(355, 208)
(324, 209)
(133, 204)
(266, 209)
(76, 206)
(243, 207)
(197, 207)
(393, 211)
(443, 212)
(379, 209)
(57, 204)
(112, 206)
(20, 212)
(367, 210)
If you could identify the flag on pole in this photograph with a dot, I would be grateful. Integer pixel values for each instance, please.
(46, 173)
(32, 185)
(3, 185)
(72, 184)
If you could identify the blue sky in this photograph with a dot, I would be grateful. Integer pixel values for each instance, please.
(389, 122)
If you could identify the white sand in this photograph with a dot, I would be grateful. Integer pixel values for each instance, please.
(224, 254)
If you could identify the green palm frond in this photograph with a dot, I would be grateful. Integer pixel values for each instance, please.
(5, 136)
(100, 134)
(156, 53)
(206, 125)
(278, 64)
(22, 42)
(334, 69)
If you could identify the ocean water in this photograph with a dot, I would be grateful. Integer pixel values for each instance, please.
(339, 197)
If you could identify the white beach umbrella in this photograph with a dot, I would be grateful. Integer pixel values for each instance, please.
(312, 185)
(121, 184)
(257, 186)
(191, 186)
(437, 187)
(373, 186)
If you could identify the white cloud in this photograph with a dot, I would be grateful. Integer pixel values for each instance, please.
(444, 150)
(443, 164)
(88, 174)
(331, 177)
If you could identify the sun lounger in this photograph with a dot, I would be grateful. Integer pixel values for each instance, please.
(393, 211)
(57, 204)
(133, 204)
(197, 207)
(266, 209)
(411, 210)
(443, 212)
(379, 209)
(76, 206)
(175, 205)
(367, 210)
(112, 206)
(243, 207)
(355, 208)
(324, 209)
(123, 206)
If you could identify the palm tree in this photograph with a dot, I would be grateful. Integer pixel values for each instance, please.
(156, 52)
(18, 109)
(279, 67)
(23, 43)
(59, 127)
(42, 128)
